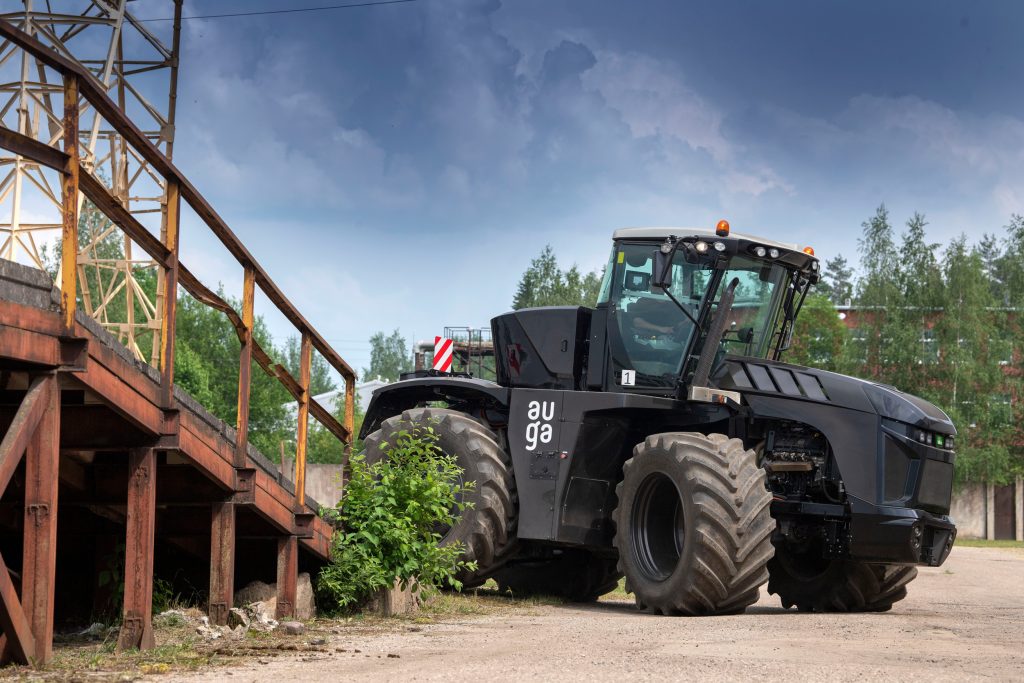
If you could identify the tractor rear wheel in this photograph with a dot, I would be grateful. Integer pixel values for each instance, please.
(812, 584)
(693, 527)
(575, 575)
(487, 527)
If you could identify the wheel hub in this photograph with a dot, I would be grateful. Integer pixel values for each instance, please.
(656, 527)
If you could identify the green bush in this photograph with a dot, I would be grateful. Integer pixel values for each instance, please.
(388, 520)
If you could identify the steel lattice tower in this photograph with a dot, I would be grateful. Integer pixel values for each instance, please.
(137, 64)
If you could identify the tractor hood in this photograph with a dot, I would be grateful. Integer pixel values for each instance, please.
(764, 377)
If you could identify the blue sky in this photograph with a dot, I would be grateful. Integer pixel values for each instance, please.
(399, 166)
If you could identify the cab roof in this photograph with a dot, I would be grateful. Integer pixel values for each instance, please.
(659, 234)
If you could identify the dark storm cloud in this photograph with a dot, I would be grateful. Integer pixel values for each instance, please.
(470, 128)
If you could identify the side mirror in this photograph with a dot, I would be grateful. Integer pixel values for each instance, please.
(662, 272)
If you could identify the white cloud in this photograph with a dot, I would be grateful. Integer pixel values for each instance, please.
(653, 101)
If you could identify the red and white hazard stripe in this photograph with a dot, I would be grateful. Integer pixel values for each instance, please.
(442, 354)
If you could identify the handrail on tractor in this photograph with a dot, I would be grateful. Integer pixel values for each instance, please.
(79, 83)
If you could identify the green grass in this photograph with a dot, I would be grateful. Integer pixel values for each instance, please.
(983, 543)
(619, 593)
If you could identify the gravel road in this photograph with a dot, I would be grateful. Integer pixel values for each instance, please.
(962, 621)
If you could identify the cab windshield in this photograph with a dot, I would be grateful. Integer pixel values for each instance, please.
(654, 335)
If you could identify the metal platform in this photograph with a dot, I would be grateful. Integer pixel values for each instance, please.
(105, 465)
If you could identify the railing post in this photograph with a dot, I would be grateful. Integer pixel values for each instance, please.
(350, 413)
(305, 362)
(245, 368)
(170, 303)
(69, 199)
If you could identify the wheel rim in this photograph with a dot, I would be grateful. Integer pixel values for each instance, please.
(656, 527)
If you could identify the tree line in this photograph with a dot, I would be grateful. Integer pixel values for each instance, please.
(943, 322)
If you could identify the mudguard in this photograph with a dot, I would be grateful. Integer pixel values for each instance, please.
(393, 398)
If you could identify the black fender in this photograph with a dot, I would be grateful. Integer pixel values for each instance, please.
(393, 398)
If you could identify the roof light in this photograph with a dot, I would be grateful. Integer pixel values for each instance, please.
(774, 253)
(809, 251)
(722, 229)
(701, 247)
(760, 252)
(719, 246)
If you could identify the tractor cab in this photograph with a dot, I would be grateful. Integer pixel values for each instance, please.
(663, 287)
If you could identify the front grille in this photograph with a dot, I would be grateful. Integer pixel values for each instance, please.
(936, 486)
(897, 471)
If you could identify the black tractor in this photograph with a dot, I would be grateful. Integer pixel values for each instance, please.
(660, 436)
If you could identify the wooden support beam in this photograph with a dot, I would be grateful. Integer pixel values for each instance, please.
(222, 562)
(245, 368)
(305, 365)
(137, 622)
(287, 575)
(42, 460)
(18, 435)
(20, 643)
(170, 301)
(69, 200)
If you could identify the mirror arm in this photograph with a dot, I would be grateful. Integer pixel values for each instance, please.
(682, 308)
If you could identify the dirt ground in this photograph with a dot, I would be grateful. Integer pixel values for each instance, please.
(962, 621)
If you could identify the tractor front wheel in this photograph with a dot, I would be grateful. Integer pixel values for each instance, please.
(693, 527)
(811, 583)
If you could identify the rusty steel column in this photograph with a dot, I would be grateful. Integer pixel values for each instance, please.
(137, 623)
(39, 565)
(222, 562)
(69, 199)
(287, 575)
(350, 415)
(245, 368)
(305, 363)
(170, 301)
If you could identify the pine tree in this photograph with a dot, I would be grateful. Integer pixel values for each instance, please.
(837, 281)
(911, 350)
(877, 291)
(544, 284)
(970, 379)
(389, 357)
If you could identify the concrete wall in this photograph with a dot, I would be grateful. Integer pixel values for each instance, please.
(970, 511)
(323, 482)
(974, 513)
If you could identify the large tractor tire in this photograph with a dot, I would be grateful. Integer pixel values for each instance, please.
(813, 584)
(487, 528)
(575, 575)
(693, 527)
